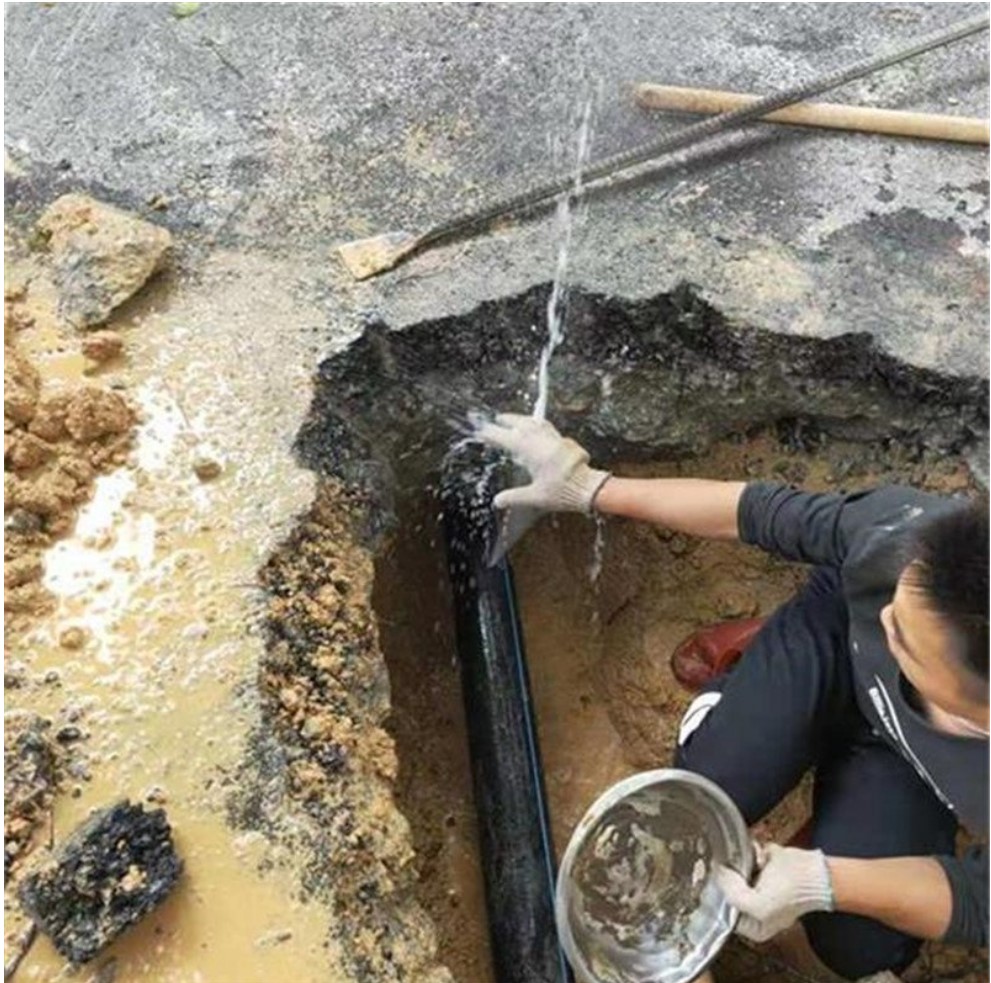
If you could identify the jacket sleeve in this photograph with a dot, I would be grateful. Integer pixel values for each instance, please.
(796, 525)
(823, 527)
(968, 877)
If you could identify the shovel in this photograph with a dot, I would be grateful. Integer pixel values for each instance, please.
(368, 257)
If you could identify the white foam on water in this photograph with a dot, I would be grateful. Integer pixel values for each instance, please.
(160, 429)
(95, 571)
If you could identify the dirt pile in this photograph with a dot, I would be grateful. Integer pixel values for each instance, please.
(56, 441)
(326, 695)
(100, 255)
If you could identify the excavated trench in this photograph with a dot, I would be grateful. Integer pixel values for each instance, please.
(360, 681)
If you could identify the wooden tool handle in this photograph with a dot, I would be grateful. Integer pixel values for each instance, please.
(928, 126)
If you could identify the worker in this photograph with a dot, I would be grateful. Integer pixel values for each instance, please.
(875, 674)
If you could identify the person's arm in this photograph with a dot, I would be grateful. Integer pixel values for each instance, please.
(808, 527)
(689, 505)
(967, 875)
(793, 524)
(562, 481)
(911, 894)
(925, 897)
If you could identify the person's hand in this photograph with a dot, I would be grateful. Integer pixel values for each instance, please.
(561, 480)
(791, 883)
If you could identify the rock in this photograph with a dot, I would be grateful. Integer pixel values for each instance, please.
(102, 346)
(74, 712)
(93, 413)
(207, 468)
(101, 256)
(73, 638)
(22, 521)
(79, 769)
(25, 451)
(29, 777)
(22, 570)
(114, 869)
(49, 419)
(21, 384)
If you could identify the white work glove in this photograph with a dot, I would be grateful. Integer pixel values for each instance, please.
(791, 883)
(561, 480)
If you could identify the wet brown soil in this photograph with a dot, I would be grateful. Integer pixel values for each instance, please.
(434, 788)
(58, 437)
(326, 697)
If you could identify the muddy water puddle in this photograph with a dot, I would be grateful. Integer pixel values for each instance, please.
(160, 575)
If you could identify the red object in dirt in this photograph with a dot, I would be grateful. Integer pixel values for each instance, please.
(711, 651)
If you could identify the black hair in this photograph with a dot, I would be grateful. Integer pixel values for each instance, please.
(949, 554)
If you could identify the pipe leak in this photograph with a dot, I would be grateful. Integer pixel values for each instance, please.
(514, 828)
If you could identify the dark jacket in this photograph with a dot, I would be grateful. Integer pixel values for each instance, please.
(863, 535)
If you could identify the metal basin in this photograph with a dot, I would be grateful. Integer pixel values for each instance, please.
(636, 898)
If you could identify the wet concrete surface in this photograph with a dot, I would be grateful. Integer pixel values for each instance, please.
(299, 127)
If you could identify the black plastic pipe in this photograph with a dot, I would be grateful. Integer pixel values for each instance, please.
(517, 855)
